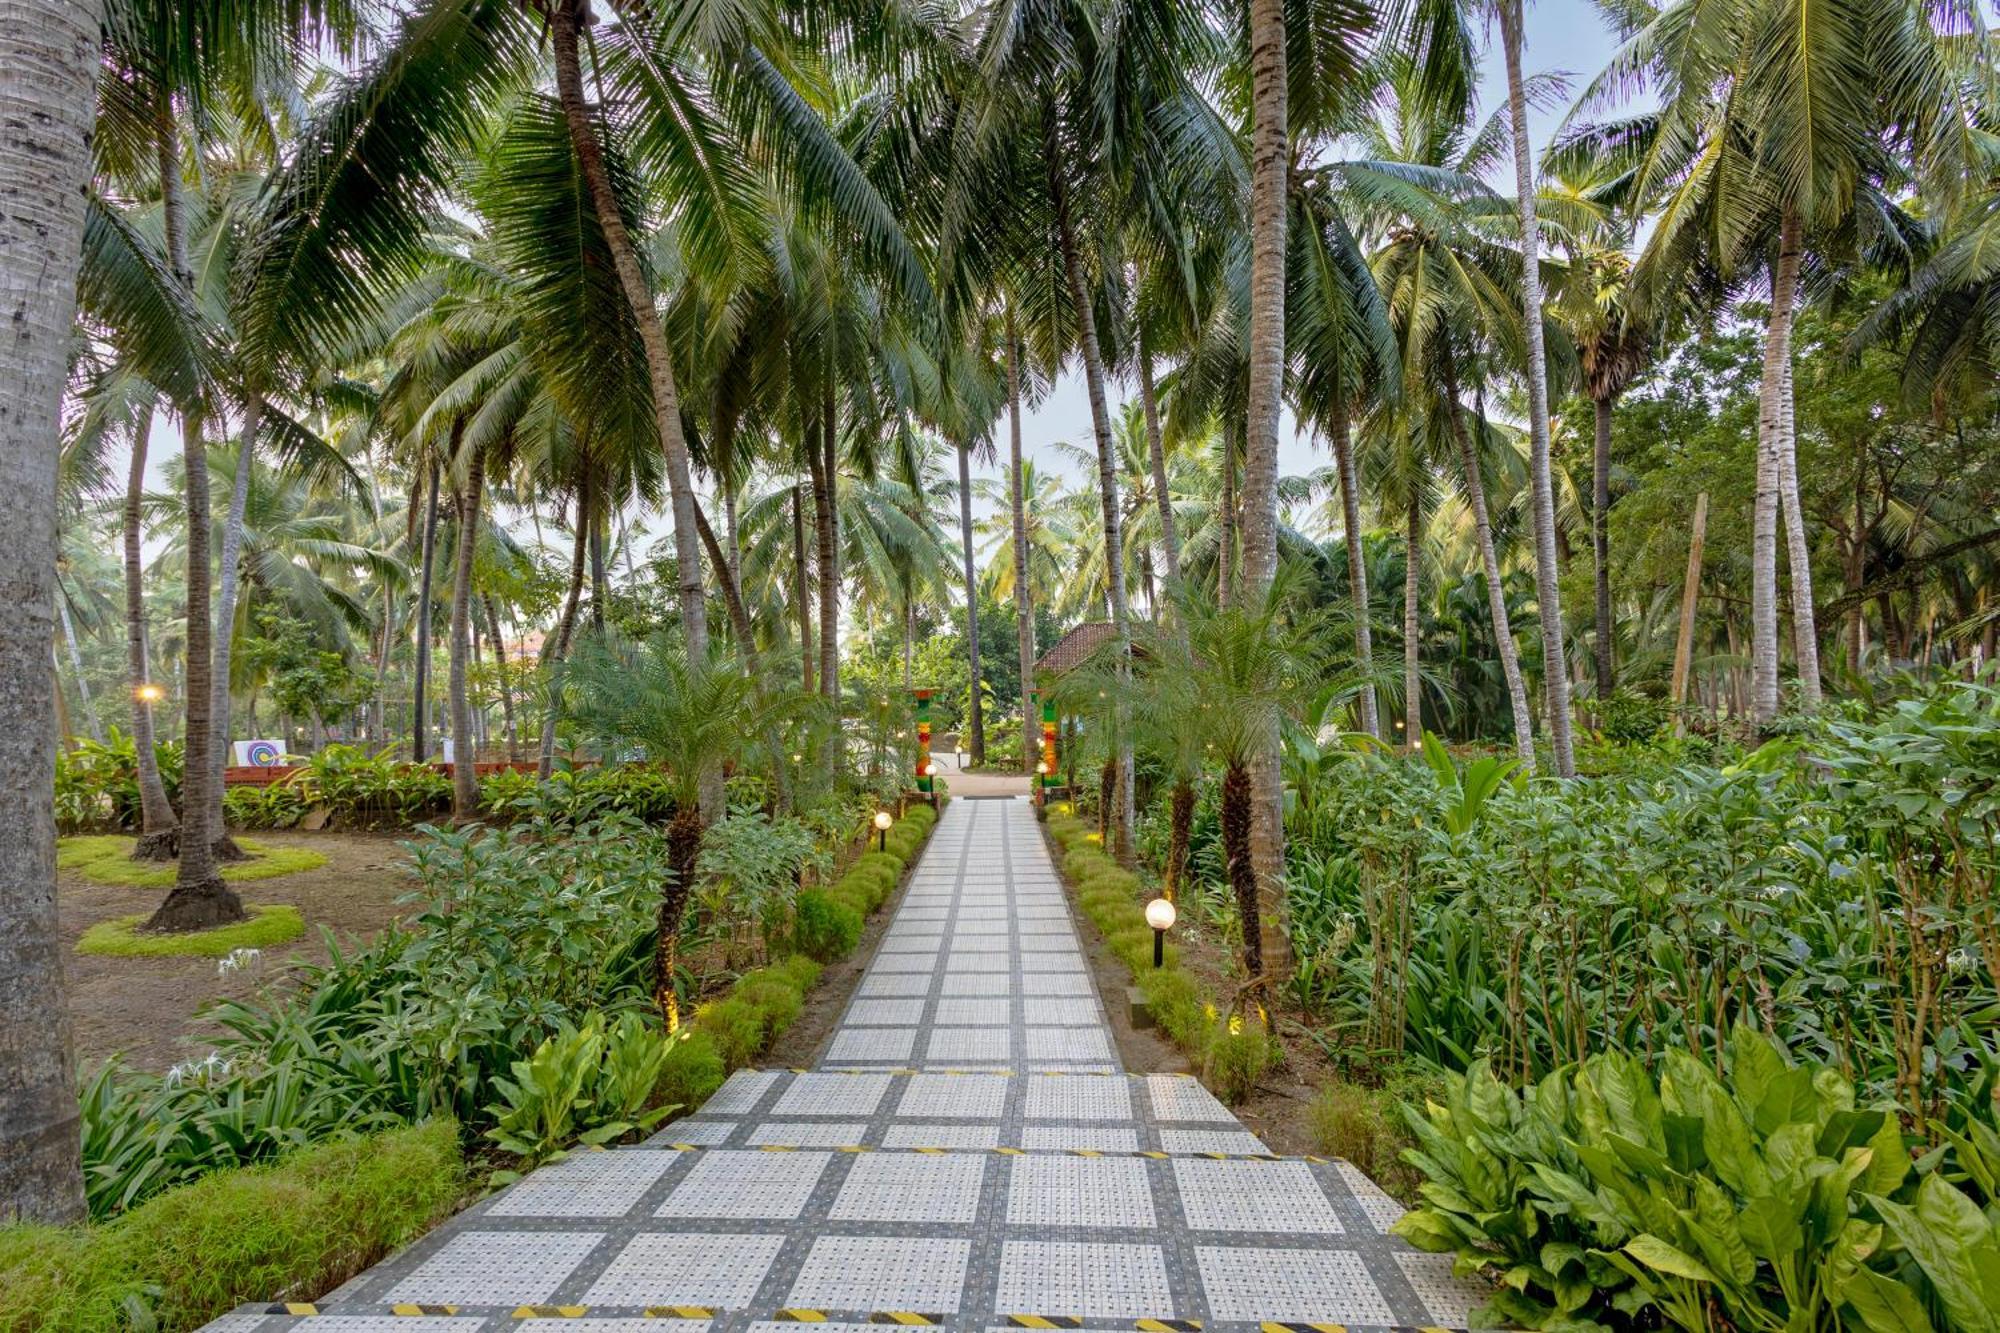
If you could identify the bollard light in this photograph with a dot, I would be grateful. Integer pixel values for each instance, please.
(963, 755)
(882, 821)
(1041, 768)
(1160, 915)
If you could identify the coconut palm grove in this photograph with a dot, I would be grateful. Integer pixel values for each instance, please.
(1142, 665)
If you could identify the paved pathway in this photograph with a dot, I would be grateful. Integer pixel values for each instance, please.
(968, 1152)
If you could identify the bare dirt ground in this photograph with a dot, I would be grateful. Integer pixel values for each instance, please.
(146, 1007)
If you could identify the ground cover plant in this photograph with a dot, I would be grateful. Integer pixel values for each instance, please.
(107, 859)
(267, 926)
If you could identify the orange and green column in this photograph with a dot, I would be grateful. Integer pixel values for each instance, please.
(925, 782)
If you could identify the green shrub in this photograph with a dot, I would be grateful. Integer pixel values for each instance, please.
(290, 1230)
(692, 1071)
(1770, 1200)
(586, 1084)
(1237, 1058)
(269, 925)
(1365, 1126)
(823, 927)
(778, 991)
(737, 1028)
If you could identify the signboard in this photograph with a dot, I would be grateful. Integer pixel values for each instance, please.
(259, 754)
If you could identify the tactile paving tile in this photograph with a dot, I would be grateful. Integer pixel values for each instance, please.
(969, 1044)
(700, 1132)
(941, 1136)
(1066, 1097)
(885, 1013)
(1237, 1141)
(1079, 1192)
(922, 1274)
(832, 1094)
(740, 1092)
(894, 1187)
(496, 1268)
(977, 983)
(1376, 1205)
(586, 1184)
(878, 984)
(883, 1044)
(1253, 1196)
(1306, 1285)
(690, 1268)
(1179, 1097)
(809, 1134)
(957, 964)
(369, 1323)
(953, 1096)
(904, 962)
(1055, 983)
(1093, 1280)
(1449, 1299)
(1059, 1010)
(741, 1184)
(1079, 1138)
(973, 1011)
(1068, 1044)
(1051, 960)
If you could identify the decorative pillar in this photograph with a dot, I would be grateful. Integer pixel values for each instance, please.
(926, 784)
(1048, 735)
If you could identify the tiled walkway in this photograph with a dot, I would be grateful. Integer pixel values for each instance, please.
(968, 1152)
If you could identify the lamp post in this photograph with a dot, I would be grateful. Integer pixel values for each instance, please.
(963, 755)
(1041, 779)
(1160, 916)
(882, 821)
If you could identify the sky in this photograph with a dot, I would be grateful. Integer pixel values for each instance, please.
(1561, 35)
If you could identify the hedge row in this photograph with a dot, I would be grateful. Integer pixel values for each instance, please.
(1231, 1054)
(290, 1230)
(728, 1033)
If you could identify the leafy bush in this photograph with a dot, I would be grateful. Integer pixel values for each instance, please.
(97, 782)
(1770, 1200)
(290, 1229)
(824, 929)
(1627, 715)
(582, 1085)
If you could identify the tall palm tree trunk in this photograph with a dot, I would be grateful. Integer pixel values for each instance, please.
(801, 597)
(1225, 556)
(565, 630)
(76, 667)
(464, 750)
(1413, 685)
(826, 525)
(976, 710)
(1548, 581)
(1107, 474)
(48, 57)
(506, 686)
(420, 688)
(1489, 559)
(1600, 544)
(227, 589)
(1357, 564)
(1798, 555)
(1770, 475)
(199, 898)
(565, 19)
(159, 829)
(1156, 453)
(1024, 609)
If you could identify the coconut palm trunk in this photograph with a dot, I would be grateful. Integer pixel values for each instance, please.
(976, 715)
(1798, 555)
(464, 751)
(801, 595)
(1024, 609)
(1357, 564)
(159, 829)
(1156, 453)
(1489, 559)
(1413, 554)
(1548, 582)
(506, 686)
(420, 689)
(1600, 545)
(566, 18)
(76, 667)
(565, 632)
(1107, 475)
(1225, 556)
(228, 587)
(48, 57)
(826, 534)
(1770, 475)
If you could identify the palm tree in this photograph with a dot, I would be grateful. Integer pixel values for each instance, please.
(48, 56)
(688, 715)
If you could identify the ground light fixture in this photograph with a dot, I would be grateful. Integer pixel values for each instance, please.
(882, 821)
(1160, 915)
(962, 757)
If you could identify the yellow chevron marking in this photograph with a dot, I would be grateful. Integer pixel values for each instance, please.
(776, 1147)
(802, 1316)
(853, 1147)
(901, 1317)
(1010, 1152)
(1087, 1152)
(422, 1309)
(551, 1311)
(1155, 1154)
(678, 1312)
(1168, 1325)
(295, 1307)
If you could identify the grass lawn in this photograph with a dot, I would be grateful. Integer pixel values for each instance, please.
(107, 859)
(269, 924)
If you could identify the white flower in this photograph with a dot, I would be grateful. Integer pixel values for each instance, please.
(238, 960)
